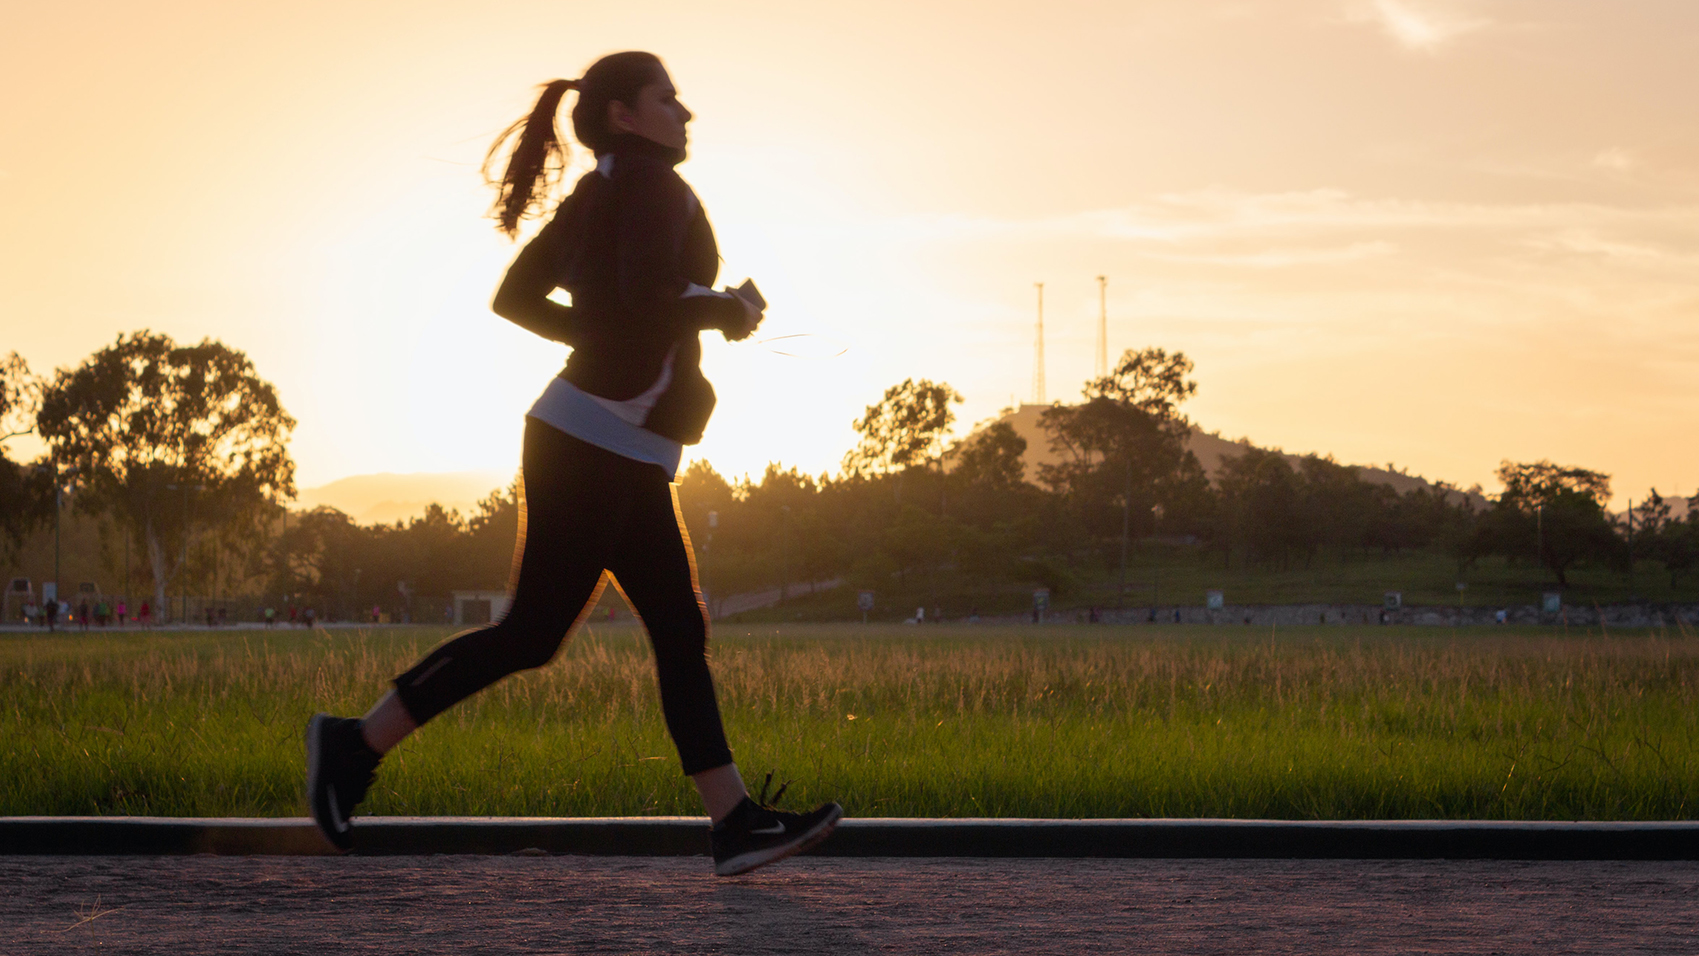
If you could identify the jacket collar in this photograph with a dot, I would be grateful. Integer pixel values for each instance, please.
(630, 144)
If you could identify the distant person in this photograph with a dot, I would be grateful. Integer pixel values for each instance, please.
(310, 618)
(144, 617)
(83, 613)
(270, 616)
(52, 615)
(633, 247)
(123, 611)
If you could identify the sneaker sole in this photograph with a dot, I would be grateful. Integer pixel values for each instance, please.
(315, 732)
(773, 854)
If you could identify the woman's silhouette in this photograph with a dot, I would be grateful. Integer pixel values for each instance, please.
(633, 247)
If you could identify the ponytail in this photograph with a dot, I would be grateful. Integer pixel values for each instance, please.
(537, 157)
(535, 164)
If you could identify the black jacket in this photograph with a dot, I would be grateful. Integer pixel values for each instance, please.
(627, 247)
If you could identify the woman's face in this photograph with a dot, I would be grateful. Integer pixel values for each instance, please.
(657, 115)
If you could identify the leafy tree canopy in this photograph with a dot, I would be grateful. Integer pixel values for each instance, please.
(20, 398)
(1530, 485)
(906, 428)
(1150, 380)
(145, 414)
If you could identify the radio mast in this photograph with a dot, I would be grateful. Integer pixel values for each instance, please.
(1102, 326)
(1038, 351)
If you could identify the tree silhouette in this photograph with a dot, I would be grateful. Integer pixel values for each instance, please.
(906, 428)
(1555, 514)
(26, 493)
(144, 414)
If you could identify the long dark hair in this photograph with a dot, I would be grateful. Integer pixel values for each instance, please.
(537, 156)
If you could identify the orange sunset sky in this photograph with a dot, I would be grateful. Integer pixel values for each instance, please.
(1433, 232)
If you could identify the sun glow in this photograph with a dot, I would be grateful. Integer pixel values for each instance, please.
(1442, 260)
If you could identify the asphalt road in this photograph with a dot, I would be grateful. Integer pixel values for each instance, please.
(561, 904)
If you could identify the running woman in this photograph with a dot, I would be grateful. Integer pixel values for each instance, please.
(633, 247)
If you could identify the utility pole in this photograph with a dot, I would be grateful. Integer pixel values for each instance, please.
(1540, 534)
(784, 552)
(283, 546)
(1631, 594)
(183, 565)
(58, 506)
(707, 551)
(1102, 326)
(1156, 571)
(1038, 355)
(1126, 513)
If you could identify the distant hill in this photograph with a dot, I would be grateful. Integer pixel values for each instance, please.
(388, 498)
(1211, 450)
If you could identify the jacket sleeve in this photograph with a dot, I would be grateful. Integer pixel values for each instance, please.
(655, 213)
(523, 297)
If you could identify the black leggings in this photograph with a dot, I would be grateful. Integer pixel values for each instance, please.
(587, 510)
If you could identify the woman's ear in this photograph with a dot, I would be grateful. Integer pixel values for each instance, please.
(620, 117)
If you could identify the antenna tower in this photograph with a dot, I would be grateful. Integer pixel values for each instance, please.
(1038, 351)
(1102, 326)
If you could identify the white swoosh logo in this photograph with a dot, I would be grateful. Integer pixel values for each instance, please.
(337, 817)
(773, 830)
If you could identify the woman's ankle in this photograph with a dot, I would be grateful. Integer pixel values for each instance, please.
(721, 790)
(386, 724)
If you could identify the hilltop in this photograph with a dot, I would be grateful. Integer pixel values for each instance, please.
(386, 498)
(1211, 451)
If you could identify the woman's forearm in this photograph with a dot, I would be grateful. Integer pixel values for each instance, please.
(523, 297)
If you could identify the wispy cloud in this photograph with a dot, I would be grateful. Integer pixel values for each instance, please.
(1215, 215)
(1615, 159)
(1422, 27)
(1585, 242)
(1283, 257)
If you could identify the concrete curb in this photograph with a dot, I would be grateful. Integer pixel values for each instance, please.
(877, 837)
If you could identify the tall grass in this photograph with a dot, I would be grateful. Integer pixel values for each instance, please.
(1063, 722)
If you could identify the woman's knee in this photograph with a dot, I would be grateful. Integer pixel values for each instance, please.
(527, 645)
(680, 639)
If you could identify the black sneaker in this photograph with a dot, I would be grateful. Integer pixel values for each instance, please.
(754, 834)
(340, 767)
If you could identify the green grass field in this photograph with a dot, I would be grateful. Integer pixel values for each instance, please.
(1315, 723)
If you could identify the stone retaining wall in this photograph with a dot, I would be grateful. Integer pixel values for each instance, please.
(1678, 616)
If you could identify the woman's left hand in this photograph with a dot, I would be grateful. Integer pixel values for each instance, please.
(751, 321)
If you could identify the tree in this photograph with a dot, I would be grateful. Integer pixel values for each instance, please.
(1672, 541)
(991, 457)
(1123, 449)
(1262, 505)
(26, 492)
(20, 398)
(1150, 380)
(1556, 515)
(165, 437)
(906, 428)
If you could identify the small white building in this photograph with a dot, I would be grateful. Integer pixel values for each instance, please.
(472, 608)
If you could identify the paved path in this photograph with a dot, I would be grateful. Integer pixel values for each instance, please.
(559, 904)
